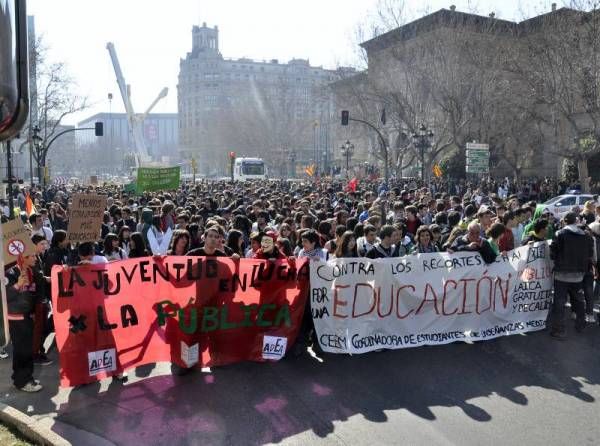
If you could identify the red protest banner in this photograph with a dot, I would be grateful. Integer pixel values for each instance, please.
(192, 311)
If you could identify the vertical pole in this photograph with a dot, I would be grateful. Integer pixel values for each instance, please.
(30, 164)
(315, 146)
(347, 164)
(422, 147)
(9, 174)
(386, 166)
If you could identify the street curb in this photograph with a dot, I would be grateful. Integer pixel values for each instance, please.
(30, 428)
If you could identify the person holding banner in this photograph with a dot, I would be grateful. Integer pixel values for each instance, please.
(573, 252)
(211, 243)
(473, 241)
(268, 250)
(180, 243)
(424, 241)
(137, 247)
(20, 289)
(42, 323)
(311, 247)
(384, 248)
(347, 246)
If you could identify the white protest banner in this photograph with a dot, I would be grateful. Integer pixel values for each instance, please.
(359, 305)
(85, 217)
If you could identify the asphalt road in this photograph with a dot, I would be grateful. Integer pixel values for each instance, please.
(523, 389)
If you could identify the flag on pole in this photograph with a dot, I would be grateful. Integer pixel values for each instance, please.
(310, 170)
(437, 171)
(29, 207)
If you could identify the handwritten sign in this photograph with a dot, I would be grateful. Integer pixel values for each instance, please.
(16, 240)
(85, 218)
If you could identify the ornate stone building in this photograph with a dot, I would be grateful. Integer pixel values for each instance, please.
(268, 109)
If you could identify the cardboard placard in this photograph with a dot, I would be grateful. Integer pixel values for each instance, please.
(16, 240)
(85, 217)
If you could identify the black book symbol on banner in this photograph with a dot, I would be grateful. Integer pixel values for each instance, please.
(77, 323)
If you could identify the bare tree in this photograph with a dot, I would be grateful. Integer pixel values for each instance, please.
(559, 63)
(55, 100)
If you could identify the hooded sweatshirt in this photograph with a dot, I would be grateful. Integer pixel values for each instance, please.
(539, 210)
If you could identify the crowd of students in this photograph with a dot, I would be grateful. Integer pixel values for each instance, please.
(278, 220)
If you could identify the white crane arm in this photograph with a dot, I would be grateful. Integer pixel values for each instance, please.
(135, 124)
(120, 79)
(163, 93)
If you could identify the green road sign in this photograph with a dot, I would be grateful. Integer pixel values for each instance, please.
(477, 146)
(477, 169)
(478, 161)
(479, 154)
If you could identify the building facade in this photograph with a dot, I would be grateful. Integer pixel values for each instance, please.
(113, 150)
(454, 72)
(277, 111)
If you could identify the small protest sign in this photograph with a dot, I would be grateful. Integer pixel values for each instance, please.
(15, 241)
(85, 218)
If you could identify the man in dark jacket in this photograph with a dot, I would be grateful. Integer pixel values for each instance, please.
(384, 248)
(473, 241)
(573, 252)
(20, 289)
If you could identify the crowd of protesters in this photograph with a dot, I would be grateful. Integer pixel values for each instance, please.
(283, 219)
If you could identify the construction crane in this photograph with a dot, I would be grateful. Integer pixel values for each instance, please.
(136, 121)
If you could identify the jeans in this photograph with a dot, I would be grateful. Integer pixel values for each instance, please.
(588, 292)
(21, 335)
(561, 291)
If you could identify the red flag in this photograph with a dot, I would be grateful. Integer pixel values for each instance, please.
(352, 184)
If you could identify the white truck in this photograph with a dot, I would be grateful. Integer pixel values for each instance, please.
(249, 169)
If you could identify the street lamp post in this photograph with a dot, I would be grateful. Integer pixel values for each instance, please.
(316, 145)
(347, 150)
(10, 180)
(423, 139)
(37, 139)
(292, 160)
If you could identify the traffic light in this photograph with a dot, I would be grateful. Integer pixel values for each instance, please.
(345, 117)
(99, 129)
(232, 155)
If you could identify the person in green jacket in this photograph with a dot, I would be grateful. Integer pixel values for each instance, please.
(540, 212)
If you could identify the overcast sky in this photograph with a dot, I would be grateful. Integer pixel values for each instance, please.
(152, 35)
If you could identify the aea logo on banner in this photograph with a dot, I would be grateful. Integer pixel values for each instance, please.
(189, 354)
(102, 361)
(274, 347)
